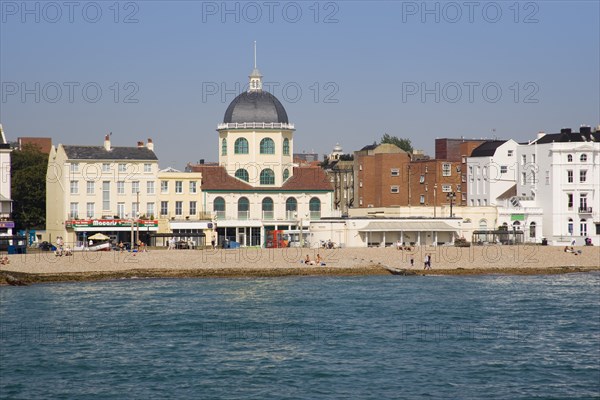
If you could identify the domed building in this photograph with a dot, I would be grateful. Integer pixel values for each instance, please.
(256, 187)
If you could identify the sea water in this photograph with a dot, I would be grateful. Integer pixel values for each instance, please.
(369, 337)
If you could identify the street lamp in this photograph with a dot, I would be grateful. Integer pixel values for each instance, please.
(434, 200)
(451, 196)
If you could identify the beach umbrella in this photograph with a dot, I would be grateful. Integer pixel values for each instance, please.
(99, 236)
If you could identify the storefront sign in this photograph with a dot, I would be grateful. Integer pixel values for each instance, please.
(517, 217)
(110, 223)
(7, 224)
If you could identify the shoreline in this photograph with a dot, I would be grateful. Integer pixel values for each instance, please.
(42, 267)
(106, 276)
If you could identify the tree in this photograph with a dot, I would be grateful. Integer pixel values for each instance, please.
(28, 175)
(404, 144)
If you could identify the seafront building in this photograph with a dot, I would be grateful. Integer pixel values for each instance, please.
(256, 186)
(106, 189)
(6, 222)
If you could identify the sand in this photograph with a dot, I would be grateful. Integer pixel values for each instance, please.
(252, 262)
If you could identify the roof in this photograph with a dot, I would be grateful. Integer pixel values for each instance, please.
(257, 106)
(387, 226)
(115, 153)
(487, 149)
(216, 178)
(566, 135)
(511, 192)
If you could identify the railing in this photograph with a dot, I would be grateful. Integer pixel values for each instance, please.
(315, 215)
(220, 215)
(291, 215)
(585, 210)
(243, 215)
(268, 215)
(255, 125)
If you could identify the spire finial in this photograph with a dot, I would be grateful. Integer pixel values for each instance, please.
(255, 54)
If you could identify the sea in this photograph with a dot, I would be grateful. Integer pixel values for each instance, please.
(361, 337)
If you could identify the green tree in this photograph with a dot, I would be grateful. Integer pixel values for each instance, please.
(28, 175)
(404, 144)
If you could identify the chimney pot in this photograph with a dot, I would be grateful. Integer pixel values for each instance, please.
(107, 142)
(140, 145)
(150, 145)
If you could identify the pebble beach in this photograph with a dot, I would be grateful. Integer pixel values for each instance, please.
(253, 262)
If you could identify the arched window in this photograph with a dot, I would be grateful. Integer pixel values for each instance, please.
(482, 224)
(286, 147)
(583, 158)
(267, 146)
(242, 174)
(570, 226)
(286, 174)
(243, 208)
(582, 227)
(291, 207)
(314, 205)
(532, 230)
(267, 208)
(241, 146)
(569, 158)
(219, 207)
(224, 147)
(267, 177)
(517, 225)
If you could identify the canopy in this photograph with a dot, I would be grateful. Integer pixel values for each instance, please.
(99, 236)
(387, 226)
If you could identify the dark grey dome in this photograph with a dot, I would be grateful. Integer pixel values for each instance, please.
(255, 106)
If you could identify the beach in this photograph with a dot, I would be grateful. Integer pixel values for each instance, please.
(253, 262)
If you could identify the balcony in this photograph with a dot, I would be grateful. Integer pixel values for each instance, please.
(255, 125)
(243, 215)
(268, 215)
(585, 210)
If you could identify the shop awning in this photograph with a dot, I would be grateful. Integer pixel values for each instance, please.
(408, 226)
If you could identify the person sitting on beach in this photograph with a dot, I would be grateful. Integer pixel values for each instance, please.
(308, 261)
(68, 251)
(319, 260)
(567, 249)
(121, 246)
(4, 260)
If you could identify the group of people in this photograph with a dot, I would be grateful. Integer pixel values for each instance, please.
(61, 248)
(317, 261)
(400, 246)
(571, 250)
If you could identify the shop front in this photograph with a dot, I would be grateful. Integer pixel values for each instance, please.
(118, 230)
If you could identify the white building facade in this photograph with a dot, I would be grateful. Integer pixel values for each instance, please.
(6, 222)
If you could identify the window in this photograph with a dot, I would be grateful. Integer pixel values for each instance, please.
(582, 175)
(219, 207)
(482, 224)
(422, 179)
(395, 172)
(74, 167)
(569, 176)
(395, 189)
(360, 184)
(314, 205)
(89, 187)
(523, 178)
(509, 153)
(583, 202)
(193, 187)
(150, 187)
(446, 169)
(89, 210)
(569, 158)
(446, 188)
(150, 210)
(147, 167)
(583, 227)
(267, 177)
(178, 207)
(105, 167)
(286, 174)
(122, 167)
(570, 226)
(458, 188)
(74, 187)
(422, 199)
(267, 146)
(135, 187)
(121, 210)
(485, 173)
(478, 202)
(532, 230)
(471, 177)
(240, 146)
(243, 208)
(164, 186)
(286, 147)
(178, 186)
(106, 195)
(192, 208)
(533, 158)
(242, 174)
(224, 147)
(291, 206)
(360, 167)
(73, 210)
(485, 202)
(164, 208)
(120, 187)
(547, 177)
(583, 158)
(524, 159)
(267, 208)
(570, 200)
(135, 209)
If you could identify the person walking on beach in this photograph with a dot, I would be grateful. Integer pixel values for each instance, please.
(412, 261)
(427, 261)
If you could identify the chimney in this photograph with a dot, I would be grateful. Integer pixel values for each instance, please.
(541, 134)
(107, 142)
(140, 145)
(565, 130)
(202, 161)
(150, 145)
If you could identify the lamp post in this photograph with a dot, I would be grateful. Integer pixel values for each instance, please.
(137, 217)
(434, 200)
(451, 196)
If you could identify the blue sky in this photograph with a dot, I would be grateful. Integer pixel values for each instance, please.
(346, 71)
